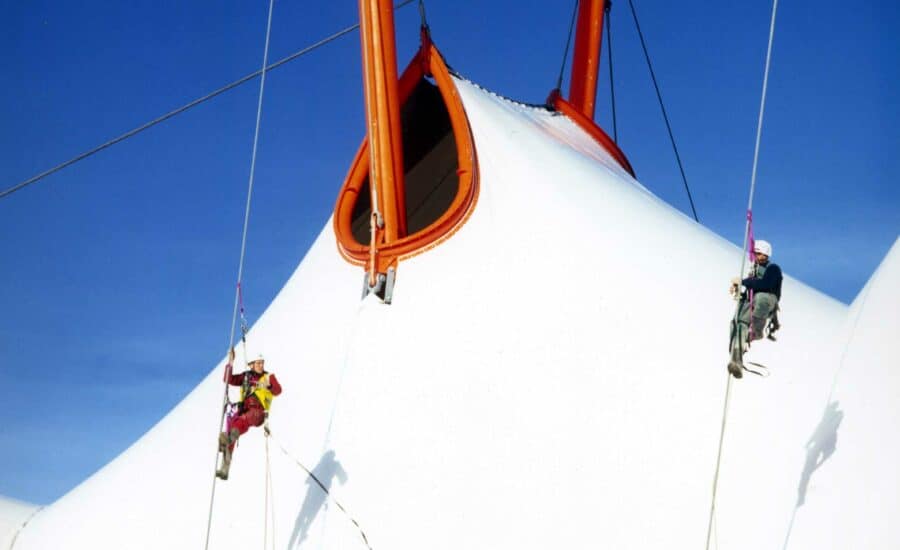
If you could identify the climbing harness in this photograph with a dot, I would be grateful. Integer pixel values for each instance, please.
(258, 390)
(238, 300)
(747, 235)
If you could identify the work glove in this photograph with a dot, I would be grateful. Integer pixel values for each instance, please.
(735, 287)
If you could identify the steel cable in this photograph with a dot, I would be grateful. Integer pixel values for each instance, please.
(10, 190)
(663, 107)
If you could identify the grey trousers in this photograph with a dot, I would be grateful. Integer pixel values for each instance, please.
(764, 306)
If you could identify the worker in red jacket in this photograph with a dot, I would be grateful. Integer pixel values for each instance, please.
(258, 388)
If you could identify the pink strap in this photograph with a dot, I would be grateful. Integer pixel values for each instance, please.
(750, 241)
(752, 244)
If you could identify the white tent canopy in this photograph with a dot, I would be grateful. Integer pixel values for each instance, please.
(551, 376)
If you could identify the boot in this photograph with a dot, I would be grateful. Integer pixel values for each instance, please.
(736, 365)
(222, 473)
(227, 440)
(226, 444)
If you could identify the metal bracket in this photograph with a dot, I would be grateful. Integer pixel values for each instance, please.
(383, 287)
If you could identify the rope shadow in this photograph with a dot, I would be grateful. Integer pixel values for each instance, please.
(323, 476)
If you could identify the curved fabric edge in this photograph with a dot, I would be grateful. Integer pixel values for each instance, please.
(556, 102)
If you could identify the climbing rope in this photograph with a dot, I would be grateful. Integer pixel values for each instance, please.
(270, 490)
(612, 90)
(744, 254)
(663, 108)
(12, 189)
(238, 295)
(719, 459)
(565, 56)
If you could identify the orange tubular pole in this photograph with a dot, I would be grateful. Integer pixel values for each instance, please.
(586, 58)
(383, 114)
(588, 125)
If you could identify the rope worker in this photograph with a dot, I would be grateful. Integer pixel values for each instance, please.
(758, 305)
(258, 389)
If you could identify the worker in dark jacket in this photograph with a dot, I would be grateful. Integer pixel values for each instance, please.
(258, 388)
(759, 304)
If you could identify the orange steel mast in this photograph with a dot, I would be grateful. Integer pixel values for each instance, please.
(583, 87)
(379, 55)
(586, 57)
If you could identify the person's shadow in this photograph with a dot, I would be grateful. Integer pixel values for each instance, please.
(820, 447)
(319, 484)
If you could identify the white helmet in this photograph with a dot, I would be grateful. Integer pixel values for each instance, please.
(763, 247)
(257, 358)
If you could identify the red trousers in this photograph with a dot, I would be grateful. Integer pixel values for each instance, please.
(253, 415)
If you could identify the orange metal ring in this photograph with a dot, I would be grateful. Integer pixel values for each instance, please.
(428, 58)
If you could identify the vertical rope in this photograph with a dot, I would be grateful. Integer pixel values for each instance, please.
(237, 293)
(719, 459)
(270, 496)
(747, 236)
(272, 493)
(762, 108)
(266, 515)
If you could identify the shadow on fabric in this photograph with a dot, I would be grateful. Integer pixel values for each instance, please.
(316, 495)
(820, 446)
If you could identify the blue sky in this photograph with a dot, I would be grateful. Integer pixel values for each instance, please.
(118, 272)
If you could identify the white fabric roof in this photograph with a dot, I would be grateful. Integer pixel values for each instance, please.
(14, 514)
(552, 376)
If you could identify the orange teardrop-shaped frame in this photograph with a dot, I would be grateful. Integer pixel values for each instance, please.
(427, 62)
